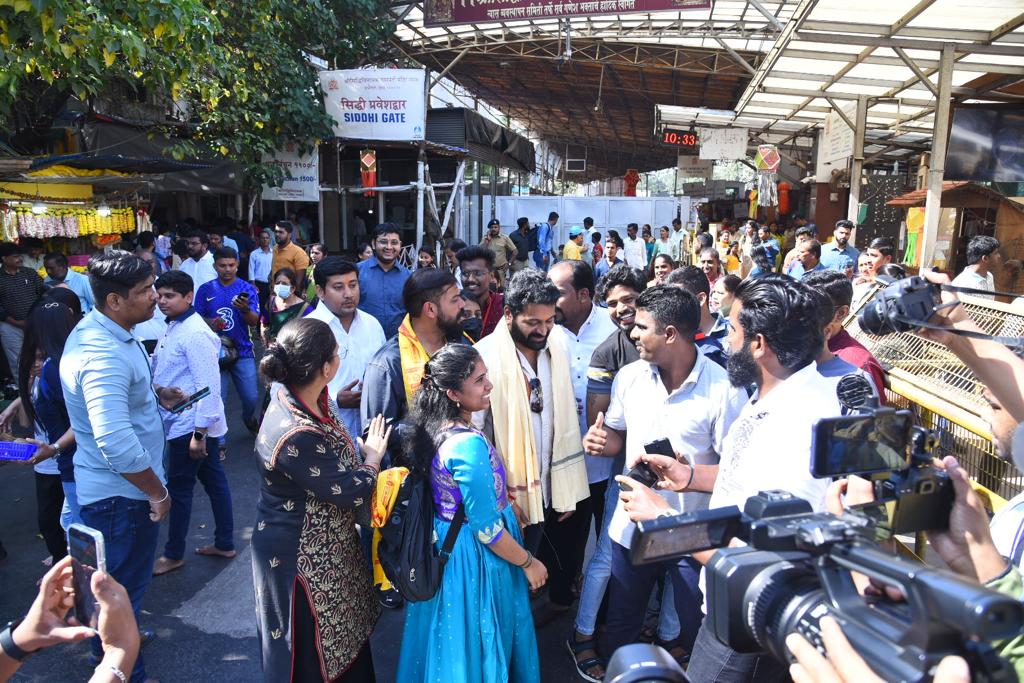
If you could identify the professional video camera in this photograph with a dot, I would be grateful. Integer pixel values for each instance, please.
(797, 565)
(908, 304)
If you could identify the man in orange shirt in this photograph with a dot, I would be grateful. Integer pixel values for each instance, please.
(287, 254)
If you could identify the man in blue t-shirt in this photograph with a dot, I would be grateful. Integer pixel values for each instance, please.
(230, 306)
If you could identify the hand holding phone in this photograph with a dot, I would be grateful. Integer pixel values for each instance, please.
(190, 401)
(88, 554)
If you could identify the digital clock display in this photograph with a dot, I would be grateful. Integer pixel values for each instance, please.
(679, 138)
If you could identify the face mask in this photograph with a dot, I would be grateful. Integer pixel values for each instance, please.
(283, 291)
(472, 326)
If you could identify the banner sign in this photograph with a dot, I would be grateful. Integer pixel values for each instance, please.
(301, 175)
(444, 12)
(376, 104)
(726, 144)
(837, 142)
(694, 167)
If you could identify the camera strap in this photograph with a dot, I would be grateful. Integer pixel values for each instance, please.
(980, 292)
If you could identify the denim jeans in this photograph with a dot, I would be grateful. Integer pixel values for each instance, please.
(129, 537)
(243, 372)
(713, 661)
(70, 513)
(629, 590)
(182, 472)
(599, 569)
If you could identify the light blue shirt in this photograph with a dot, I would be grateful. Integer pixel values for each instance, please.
(79, 284)
(109, 395)
(797, 272)
(834, 258)
(380, 293)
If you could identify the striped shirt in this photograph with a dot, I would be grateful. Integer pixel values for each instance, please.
(18, 292)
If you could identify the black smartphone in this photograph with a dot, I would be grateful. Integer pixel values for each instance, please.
(861, 444)
(644, 473)
(191, 400)
(88, 554)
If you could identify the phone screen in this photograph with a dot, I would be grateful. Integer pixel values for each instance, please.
(85, 546)
(861, 444)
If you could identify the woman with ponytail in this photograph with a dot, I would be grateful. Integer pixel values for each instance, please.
(478, 627)
(314, 604)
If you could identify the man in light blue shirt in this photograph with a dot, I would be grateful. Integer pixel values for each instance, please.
(808, 259)
(58, 273)
(545, 238)
(382, 278)
(112, 405)
(839, 254)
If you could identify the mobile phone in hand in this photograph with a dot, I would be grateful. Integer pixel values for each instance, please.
(191, 400)
(88, 554)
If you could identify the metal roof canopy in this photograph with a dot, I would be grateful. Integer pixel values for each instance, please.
(600, 101)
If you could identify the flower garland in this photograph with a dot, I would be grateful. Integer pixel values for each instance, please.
(68, 222)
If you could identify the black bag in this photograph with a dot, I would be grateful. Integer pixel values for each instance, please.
(406, 547)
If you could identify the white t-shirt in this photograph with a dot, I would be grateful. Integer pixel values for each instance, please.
(201, 271)
(969, 278)
(635, 252)
(695, 417)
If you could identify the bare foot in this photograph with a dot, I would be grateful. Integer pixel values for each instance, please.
(214, 550)
(164, 565)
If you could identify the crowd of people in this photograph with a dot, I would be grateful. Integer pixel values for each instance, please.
(523, 381)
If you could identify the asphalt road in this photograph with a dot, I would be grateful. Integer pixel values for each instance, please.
(203, 614)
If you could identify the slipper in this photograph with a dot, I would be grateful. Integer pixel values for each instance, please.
(675, 649)
(214, 551)
(585, 665)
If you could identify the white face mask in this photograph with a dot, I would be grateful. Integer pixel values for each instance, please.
(282, 290)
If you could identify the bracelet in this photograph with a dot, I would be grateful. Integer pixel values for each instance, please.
(166, 494)
(693, 470)
(529, 560)
(117, 673)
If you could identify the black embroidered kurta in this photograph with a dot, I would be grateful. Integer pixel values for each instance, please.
(306, 539)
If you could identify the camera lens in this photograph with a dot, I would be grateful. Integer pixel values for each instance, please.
(779, 598)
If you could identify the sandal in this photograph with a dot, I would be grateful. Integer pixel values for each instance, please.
(675, 649)
(585, 665)
(647, 635)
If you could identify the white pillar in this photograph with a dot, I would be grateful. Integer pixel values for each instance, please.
(857, 164)
(419, 205)
(938, 158)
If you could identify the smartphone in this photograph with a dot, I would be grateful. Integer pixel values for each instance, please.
(191, 400)
(642, 472)
(861, 444)
(85, 546)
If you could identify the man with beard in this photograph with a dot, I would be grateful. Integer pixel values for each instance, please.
(393, 375)
(676, 393)
(477, 266)
(358, 334)
(287, 254)
(533, 423)
(839, 254)
(382, 280)
(199, 264)
(774, 337)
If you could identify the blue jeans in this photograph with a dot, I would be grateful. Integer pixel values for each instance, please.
(715, 662)
(599, 569)
(243, 372)
(71, 513)
(182, 472)
(129, 537)
(629, 591)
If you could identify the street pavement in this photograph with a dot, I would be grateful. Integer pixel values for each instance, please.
(204, 613)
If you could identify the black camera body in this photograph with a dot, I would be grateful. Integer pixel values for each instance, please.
(796, 570)
(900, 307)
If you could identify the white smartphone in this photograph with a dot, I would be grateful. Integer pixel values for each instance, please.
(85, 546)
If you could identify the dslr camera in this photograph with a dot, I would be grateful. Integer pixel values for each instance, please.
(903, 306)
(796, 567)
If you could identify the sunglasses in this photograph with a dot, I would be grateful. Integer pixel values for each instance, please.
(536, 398)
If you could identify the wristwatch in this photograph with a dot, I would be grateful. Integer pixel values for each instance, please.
(7, 643)
(198, 435)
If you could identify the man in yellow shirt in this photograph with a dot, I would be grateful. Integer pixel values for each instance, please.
(573, 248)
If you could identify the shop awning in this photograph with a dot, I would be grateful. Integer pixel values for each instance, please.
(110, 164)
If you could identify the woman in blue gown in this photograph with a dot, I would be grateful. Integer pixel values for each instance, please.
(478, 628)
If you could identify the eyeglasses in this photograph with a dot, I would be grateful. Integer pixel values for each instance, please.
(475, 274)
(536, 398)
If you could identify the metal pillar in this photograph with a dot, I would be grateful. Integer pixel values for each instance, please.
(419, 203)
(344, 219)
(938, 158)
(857, 163)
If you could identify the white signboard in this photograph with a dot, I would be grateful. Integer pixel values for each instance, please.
(837, 140)
(376, 104)
(694, 167)
(301, 175)
(723, 143)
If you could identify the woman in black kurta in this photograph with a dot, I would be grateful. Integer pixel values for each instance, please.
(314, 604)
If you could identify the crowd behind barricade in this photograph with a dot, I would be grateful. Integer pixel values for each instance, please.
(518, 382)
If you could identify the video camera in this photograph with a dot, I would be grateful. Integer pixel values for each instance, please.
(797, 565)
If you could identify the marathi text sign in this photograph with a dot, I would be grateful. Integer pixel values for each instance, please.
(725, 144)
(443, 12)
(376, 104)
(301, 176)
